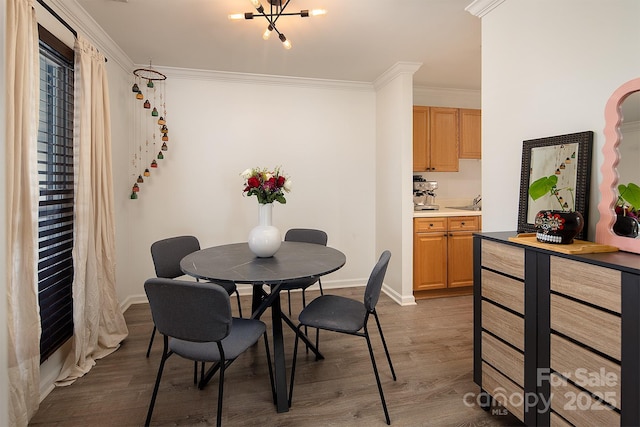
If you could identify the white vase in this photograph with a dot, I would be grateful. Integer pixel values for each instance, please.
(265, 239)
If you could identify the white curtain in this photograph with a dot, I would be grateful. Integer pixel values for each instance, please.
(23, 319)
(99, 324)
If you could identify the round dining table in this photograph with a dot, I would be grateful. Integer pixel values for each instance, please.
(236, 263)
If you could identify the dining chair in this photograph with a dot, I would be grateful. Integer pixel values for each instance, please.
(348, 316)
(166, 255)
(304, 235)
(196, 322)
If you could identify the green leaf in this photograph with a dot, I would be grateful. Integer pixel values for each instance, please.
(630, 193)
(542, 186)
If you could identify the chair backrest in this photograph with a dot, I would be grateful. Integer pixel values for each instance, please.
(306, 235)
(189, 311)
(167, 253)
(374, 285)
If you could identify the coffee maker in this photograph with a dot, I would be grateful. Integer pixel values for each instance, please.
(424, 196)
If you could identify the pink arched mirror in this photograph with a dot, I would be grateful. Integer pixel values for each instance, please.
(620, 149)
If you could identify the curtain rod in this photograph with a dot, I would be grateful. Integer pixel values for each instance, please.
(62, 21)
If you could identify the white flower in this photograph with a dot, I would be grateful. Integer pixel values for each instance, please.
(287, 185)
(268, 176)
(247, 173)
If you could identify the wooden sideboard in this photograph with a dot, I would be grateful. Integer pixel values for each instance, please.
(557, 336)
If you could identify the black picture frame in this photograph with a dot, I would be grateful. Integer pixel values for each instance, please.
(537, 162)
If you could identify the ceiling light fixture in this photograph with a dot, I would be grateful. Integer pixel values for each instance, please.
(277, 9)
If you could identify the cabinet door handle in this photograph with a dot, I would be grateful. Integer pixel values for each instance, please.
(462, 223)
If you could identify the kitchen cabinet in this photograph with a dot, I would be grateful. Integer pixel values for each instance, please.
(443, 255)
(557, 336)
(435, 139)
(470, 134)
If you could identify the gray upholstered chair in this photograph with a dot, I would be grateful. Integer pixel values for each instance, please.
(166, 255)
(196, 323)
(348, 316)
(305, 235)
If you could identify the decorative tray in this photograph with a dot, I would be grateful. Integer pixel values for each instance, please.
(577, 247)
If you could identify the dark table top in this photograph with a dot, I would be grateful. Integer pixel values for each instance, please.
(236, 263)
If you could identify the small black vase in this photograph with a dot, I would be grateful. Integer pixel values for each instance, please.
(626, 226)
(558, 226)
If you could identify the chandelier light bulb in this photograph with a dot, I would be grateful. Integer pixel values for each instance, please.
(318, 12)
(286, 43)
(236, 16)
(267, 33)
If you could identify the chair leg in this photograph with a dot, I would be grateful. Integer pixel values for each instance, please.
(375, 371)
(220, 391)
(153, 334)
(165, 356)
(289, 300)
(273, 384)
(293, 364)
(384, 344)
(239, 306)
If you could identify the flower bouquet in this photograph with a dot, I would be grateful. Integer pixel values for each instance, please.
(267, 186)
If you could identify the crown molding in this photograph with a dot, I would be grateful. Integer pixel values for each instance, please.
(263, 79)
(396, 69)
(480, 8)
(84, 24)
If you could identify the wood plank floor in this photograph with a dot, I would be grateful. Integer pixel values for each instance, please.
(431, 349)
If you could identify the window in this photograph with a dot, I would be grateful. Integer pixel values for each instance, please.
(55, 207)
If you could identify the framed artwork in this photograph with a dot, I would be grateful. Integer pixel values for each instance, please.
(555, 175)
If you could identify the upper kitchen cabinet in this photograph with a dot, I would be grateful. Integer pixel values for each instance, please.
(435, 139)
(470, 131)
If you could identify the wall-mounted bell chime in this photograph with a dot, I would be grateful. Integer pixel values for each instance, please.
(145, 146)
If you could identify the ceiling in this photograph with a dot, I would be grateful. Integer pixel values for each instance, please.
(357, 40)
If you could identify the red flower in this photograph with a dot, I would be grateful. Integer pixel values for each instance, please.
(281, 180)
(253, 182)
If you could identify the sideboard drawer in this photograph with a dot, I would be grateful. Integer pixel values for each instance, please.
(587, 369)
(579, 407)
(587, 325)
(503, 324)
(503, 290)
(507, 359)
(503, 390)
(506, 259)
(590, 283)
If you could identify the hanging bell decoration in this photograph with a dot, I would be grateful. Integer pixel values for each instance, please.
(147, 172)
(150, 83)
(164, 146)
(147, 104)
(134, 195)
(135, 188)
(140, 180)
(161, 121)
(135, 88)
(160, 155)
(154, 112)
(139, 95)
(165, 137)
(154, 164)
(164, 129)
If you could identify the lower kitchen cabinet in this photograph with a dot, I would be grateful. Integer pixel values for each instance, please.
(443, 255)
(556, 336)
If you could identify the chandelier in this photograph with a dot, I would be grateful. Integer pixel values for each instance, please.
(277, 9)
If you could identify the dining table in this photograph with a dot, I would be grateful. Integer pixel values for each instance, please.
(293, 261)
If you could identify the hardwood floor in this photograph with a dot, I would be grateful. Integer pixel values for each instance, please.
(431, 349)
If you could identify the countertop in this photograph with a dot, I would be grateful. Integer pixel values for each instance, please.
(443, 211)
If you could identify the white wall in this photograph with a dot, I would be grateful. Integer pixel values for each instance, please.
(321, 133)
(548, 68)
(393, 180)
